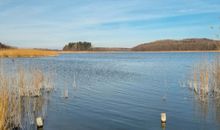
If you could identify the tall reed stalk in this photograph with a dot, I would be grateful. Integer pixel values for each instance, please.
(206, 80)
(23, 96)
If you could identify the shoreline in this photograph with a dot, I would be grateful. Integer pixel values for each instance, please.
(75, 52)
(36, 53)
(26, 53)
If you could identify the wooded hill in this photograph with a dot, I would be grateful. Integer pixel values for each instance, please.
(193, 44)
(179, 45)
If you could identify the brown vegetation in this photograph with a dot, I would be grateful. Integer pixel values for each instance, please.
(26, 53)
(205, 83)
(179, 45)
(206, 80)
(109, 49)
(23, 95)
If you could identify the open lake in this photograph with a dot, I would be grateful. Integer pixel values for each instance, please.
(125, 91)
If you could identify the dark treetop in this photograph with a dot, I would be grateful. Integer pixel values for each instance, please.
(78, 46)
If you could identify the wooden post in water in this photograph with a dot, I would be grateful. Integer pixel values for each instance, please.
(163, 117)
(39, 122)
(66, 93)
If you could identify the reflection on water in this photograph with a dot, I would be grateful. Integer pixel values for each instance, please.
(207, 110)
(217, 109)
(204, 86)
(31, 108)
(163, 126)
(125, 91)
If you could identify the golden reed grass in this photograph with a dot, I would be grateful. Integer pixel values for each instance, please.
(4, 104)
(21, 92)
(26, 53)
(206, 79)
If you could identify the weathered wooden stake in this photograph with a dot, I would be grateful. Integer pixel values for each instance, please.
(163, 117)
(39, 122)
(66, 93)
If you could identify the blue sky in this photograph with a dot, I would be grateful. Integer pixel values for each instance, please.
(112, 23)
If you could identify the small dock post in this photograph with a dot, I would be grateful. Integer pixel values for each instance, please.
(39, 122)
(163, 117)
(66, 93)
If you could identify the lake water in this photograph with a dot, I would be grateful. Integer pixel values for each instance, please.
(125, 91)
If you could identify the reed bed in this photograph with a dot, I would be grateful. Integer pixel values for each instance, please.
(26, 53)
(23, 96)
(205, 81)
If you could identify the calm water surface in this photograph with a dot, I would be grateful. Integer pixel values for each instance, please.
(125, 91)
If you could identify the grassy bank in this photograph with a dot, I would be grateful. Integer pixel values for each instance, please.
(27, 53)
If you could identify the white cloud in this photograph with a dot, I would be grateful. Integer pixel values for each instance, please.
(52, 23)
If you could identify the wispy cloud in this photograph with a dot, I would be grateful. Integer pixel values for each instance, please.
(106, 23)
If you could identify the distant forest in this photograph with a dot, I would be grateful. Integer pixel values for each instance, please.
(179, 45)
(87, 46)
(194, 44)
(78, 46)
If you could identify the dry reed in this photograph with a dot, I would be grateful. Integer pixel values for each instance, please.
(23, 96)
(26, 53)
(206, 80)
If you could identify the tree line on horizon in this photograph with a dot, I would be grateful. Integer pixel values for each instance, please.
(193, 44)
(78, 46)
(87, 46)
(161, 45)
